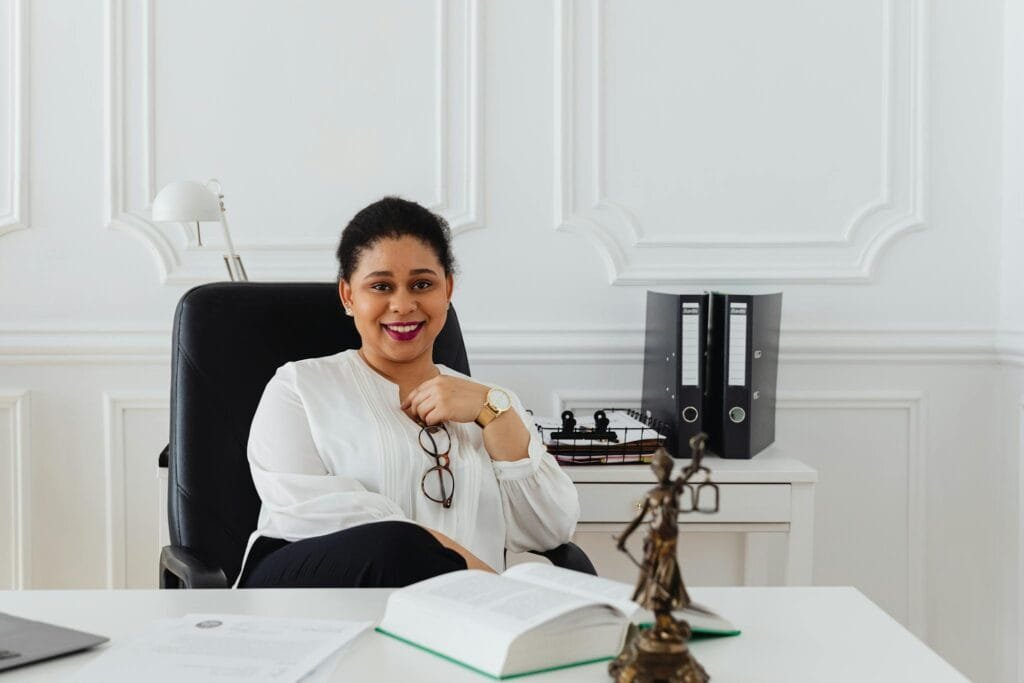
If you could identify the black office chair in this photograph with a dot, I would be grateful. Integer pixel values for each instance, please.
(228, 340)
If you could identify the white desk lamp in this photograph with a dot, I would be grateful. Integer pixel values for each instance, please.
(187, 201)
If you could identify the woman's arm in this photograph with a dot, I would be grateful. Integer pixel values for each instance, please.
(539, 501)
(506, 438)
(442, 398)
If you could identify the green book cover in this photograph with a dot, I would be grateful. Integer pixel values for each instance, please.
(484, 673)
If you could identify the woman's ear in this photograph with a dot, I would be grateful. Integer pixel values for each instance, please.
(345, 294)
(451, 286)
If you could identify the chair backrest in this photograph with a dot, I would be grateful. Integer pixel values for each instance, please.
(228, 340)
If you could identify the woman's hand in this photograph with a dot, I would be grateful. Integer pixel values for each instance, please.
(452, 399)
(446, 399)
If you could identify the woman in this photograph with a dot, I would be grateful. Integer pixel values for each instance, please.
(378, 468)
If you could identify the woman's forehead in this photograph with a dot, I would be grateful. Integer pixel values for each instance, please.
(399, 255)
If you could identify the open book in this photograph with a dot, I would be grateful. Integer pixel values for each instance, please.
(530, 619)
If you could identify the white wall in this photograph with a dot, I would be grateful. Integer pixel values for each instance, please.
(1011, 328)
(863, 157)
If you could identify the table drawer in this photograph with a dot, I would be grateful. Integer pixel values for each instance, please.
(738, 503)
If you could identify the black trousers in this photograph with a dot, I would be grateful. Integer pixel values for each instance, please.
(377, 555)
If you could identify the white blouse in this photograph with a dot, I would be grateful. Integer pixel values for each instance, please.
(330, 448)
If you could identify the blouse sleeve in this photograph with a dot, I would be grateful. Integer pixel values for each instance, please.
(539, 500)
(300, 497)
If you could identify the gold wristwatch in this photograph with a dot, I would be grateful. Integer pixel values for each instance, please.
(498, 401)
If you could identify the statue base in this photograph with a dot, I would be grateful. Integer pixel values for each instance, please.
(657, 655)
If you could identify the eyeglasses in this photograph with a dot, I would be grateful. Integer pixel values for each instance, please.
(438, 482)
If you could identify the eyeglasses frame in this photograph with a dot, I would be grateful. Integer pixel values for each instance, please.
(441, 463)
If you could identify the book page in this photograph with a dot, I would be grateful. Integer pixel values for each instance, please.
(592, 588)
(616, 594)
(511, 605)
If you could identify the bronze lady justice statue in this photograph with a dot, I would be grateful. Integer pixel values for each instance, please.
(660, 653)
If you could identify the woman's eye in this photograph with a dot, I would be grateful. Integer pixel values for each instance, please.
(379, 286)
(422, 284)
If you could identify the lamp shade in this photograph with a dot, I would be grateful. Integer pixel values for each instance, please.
(186, 201)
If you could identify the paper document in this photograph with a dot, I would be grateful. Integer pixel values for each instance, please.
(223, 647)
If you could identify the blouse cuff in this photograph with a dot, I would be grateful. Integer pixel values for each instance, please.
(526, 467)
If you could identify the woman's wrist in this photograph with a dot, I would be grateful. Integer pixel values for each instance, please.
(506, 438)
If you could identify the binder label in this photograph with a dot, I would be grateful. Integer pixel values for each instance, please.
(691, 345)
(737, 344)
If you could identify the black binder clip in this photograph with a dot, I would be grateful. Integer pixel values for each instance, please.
(599, 432)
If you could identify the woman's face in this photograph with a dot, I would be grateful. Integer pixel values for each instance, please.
(399, 295)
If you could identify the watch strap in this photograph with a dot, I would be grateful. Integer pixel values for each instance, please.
(486, 415)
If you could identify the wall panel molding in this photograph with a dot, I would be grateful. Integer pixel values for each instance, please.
(1010, 346)
(911, 403)
(624, 345)
(115, 408)
(84, 345)
(619, 238)
(177, 261)
(14, 501)
(506, 345)
(16, 216)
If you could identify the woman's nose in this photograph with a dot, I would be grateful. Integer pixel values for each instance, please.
(402, 303)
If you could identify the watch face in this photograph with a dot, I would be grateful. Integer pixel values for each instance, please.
(499, 400)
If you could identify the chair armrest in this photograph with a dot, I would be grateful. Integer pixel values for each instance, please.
(569, 556)
(182, 568)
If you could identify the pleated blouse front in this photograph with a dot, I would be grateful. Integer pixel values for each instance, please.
(331, 448)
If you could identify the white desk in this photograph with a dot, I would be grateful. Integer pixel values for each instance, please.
(789, 634)
(768, 493)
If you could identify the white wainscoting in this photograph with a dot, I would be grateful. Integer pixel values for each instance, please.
(14, 205)
(15, 451)
(1015, 622)
(136, 513)
(812, 246)
(843, 507)
(454, 141)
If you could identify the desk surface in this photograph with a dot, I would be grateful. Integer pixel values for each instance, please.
(768, 467)
(789, 634)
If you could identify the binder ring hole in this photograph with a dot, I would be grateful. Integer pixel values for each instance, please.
(690, 414)
(737, 414)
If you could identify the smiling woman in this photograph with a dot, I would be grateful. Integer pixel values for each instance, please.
(378, 468)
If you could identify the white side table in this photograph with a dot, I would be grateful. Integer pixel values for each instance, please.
(768, 493)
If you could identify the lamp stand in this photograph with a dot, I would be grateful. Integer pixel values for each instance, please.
(236, 271)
